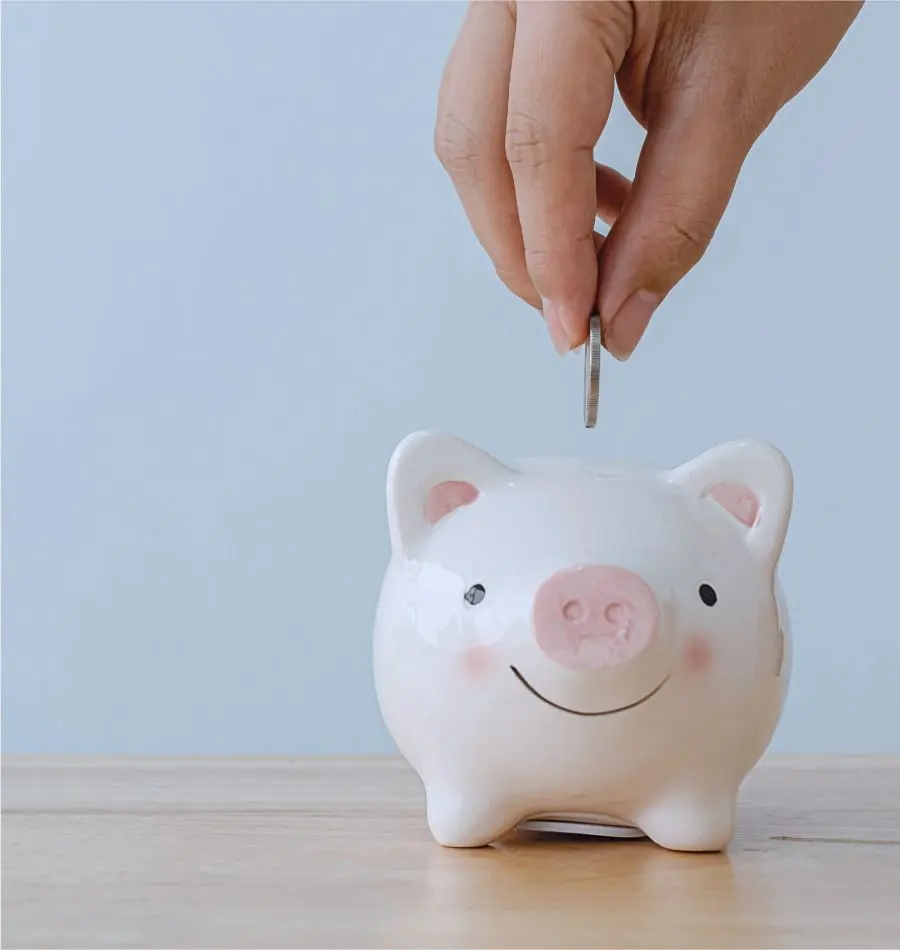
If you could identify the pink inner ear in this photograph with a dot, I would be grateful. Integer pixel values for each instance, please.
(446, 497)
(737, 500)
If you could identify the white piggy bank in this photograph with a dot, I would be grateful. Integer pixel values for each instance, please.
(557, 639)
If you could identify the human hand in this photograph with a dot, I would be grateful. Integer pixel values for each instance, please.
(526, 94)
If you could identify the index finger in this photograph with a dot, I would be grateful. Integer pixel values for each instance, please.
(561, 88)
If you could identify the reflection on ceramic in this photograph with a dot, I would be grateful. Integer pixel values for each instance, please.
(562, 639)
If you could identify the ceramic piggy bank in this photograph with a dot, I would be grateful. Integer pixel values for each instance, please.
(562, 640)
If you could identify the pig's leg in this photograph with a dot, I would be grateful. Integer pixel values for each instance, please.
(691, 820)
(466, 819)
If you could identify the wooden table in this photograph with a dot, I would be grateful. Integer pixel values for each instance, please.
(335, 853)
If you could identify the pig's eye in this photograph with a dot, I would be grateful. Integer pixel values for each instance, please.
(708, 595)
(474, 595)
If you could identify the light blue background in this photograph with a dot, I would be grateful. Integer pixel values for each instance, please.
(235, 277)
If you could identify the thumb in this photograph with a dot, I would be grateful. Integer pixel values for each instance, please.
(684, 179)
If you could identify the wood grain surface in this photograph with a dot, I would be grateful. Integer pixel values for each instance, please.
(274, 853)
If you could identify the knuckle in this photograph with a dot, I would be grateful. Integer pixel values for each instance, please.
(561, 259)
(527, 140)
(539, 261)
(685, 238)
(458, 149)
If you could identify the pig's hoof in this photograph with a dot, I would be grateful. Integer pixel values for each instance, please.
(464, 821)
(690, 824)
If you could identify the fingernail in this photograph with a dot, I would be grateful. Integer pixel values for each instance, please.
(630, 322)
(573, 323)
(558, 335)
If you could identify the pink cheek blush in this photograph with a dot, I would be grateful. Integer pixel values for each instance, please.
(478, 662)
(698, 655)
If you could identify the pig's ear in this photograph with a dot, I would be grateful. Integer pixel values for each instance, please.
(752, 484)
(431, 475)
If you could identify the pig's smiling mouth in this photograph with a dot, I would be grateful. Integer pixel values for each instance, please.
(578, 712)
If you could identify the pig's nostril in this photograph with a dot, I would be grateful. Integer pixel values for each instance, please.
(573, 611)
(619, 617)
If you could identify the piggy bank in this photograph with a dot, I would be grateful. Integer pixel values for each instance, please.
(569, 641)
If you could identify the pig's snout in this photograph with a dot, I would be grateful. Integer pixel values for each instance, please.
(595, 617)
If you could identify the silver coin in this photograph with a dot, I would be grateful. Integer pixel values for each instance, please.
(592, 349)
(568, 827)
